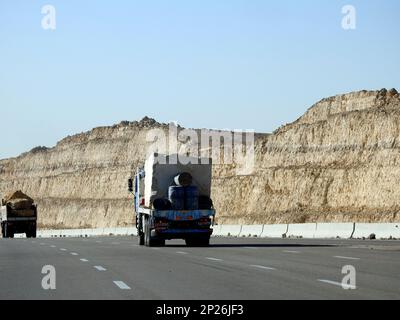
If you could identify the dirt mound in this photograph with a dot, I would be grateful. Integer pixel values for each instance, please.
(18, 200)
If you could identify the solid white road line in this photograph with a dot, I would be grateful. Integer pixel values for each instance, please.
(100, 268)
(254, 248)
(74, 253)
(344, 285)
(262, 267)
(84, 260)
(122, 285)
(214, 259)
(346, 258)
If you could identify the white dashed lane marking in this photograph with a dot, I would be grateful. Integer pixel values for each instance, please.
(74, 253)
(100, 268)
(181, 252)
(343, 285)
(84, 260)
(122, 285)
(214, 259)
(291, 251)
(346, 258)
(53, 246)
(262, 267)
(62, 249)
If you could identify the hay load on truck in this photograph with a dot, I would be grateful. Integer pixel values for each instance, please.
(172, 201)
(18, 214)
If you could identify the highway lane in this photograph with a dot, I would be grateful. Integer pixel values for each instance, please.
(238, 269)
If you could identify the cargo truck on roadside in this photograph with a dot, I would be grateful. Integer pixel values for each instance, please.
(18, 214)
(172, 200)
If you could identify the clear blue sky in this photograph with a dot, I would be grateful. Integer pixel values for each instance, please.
(237, 64)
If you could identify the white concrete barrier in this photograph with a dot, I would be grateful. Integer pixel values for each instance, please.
(97, 232)
(45, 233)
(309, 230)
(334, 230)
(55, 233)
(61, 233)
(87, 232)
(84, 233)
(217, 230)
(72, 233)
(121, 231)
(108, 231)
(251, 230)
(132, 231)
(274, 231)
(42, 233)
(305, 230)
(78, 232)
(380, 230)
(230, 230)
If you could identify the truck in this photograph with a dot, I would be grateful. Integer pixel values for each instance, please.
(172, 200)
(18, 214)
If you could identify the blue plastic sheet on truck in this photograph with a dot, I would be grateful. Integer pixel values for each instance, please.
(184, 215)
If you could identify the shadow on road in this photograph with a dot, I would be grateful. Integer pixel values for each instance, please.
(252, 245)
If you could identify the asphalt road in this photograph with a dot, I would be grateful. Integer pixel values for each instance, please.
(231, 269)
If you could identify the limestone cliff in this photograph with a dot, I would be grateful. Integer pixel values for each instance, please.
(338, 162)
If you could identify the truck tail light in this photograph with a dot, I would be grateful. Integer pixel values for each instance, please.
(204, 221)
(162, 223)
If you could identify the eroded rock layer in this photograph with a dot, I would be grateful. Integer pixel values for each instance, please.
(339, 162)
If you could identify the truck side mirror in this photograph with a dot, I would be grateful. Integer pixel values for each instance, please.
(130, 185)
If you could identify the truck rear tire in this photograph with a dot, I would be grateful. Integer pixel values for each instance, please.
(147, 235)
(7, 231)
(141, 240)
(149, 241)
(31, 232)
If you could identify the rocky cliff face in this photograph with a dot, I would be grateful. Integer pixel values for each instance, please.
(337, 163)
